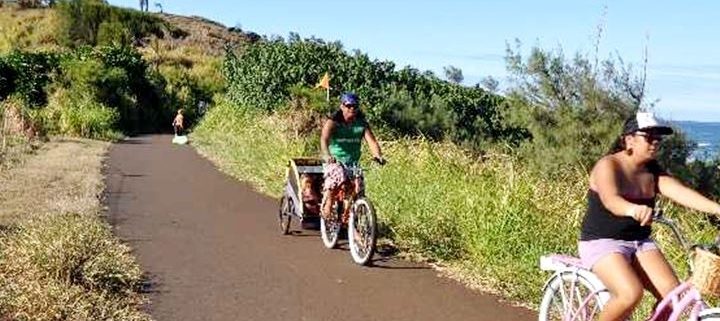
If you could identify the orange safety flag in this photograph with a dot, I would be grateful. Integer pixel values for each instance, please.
(324, 82)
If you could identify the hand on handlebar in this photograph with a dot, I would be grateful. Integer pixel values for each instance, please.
(329, 159)
(643, 214)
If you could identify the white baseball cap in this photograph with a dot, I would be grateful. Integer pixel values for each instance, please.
(645, 122)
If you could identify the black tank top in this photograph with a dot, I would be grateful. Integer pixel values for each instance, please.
(600, 223)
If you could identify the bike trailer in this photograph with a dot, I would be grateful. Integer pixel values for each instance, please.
(304, 185)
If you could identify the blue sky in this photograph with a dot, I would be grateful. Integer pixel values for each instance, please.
(681, 37)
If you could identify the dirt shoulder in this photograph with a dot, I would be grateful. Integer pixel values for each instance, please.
(64, 175)
(58, 256)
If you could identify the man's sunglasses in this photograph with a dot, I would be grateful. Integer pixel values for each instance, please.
(351, 106)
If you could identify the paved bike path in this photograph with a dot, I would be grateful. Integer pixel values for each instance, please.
(212, 248)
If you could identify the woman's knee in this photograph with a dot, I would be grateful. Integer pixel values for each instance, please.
(628, 296)
(621, 279)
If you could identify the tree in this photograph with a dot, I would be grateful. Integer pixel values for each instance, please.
(574, 107)
(453, 74)
(490, 83)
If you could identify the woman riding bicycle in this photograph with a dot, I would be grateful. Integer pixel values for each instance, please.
(340, 143)
(615, 240)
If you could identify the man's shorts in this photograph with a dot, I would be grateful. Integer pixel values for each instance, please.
(334, 175)
(592, 251)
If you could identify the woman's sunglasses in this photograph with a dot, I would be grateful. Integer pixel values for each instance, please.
(650, 138)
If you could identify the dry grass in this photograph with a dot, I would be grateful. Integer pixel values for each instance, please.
(28, 29)
(208, 36)
(63, 177)
(58, 258)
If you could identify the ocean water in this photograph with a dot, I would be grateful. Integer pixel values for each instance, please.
(706, 135)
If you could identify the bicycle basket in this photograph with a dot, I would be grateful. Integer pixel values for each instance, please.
(706, 272)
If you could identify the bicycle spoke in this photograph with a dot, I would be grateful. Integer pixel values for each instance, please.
(572, 300)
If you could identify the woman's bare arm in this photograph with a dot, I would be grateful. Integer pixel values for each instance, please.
(605, 183)
(678, 192)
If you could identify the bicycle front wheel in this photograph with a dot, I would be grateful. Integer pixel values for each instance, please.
(362, 231)
(330, 228)
(571, 296)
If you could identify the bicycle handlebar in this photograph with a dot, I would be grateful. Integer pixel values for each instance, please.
(660, 218)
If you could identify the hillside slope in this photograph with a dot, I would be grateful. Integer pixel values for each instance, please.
(34, 29)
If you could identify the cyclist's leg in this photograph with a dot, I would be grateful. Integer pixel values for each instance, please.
(626, 289)
(328, 195)
(655, 271)
(656, 274)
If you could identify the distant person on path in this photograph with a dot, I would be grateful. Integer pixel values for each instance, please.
(340, 142)
(144, 5)
(615, 240)
(178, 123)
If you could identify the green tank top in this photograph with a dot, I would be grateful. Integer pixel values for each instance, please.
(346, 139)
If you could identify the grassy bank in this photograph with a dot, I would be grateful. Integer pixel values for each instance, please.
(58, 257)
(488, 221)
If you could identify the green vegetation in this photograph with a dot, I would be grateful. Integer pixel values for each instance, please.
(92, 82)
(402, 103)
(93, 22)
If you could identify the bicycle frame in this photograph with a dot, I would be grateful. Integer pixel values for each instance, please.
(684, 297)
(680, 299)
(348, 190)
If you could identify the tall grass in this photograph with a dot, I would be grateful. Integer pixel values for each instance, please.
(490, 219)
(491, 215)
(247, 145)
(25, 29)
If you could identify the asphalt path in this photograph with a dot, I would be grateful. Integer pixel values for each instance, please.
(212, 249)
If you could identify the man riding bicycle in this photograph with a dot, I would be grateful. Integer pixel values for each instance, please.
(340, 144)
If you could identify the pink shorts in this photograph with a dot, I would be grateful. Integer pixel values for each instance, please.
(336, 174)
(592, 251)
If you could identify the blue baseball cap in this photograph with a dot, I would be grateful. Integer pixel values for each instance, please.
(349, 98)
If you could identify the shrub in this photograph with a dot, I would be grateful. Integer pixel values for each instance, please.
(27, 74)
(263, 74)
(79, 114)
(113, 33)
(83, 20)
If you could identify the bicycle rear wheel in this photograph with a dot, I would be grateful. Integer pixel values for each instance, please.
(569, 296)
(362, 231)
(285, 213)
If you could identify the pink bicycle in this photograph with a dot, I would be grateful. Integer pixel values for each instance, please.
(573, 293)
